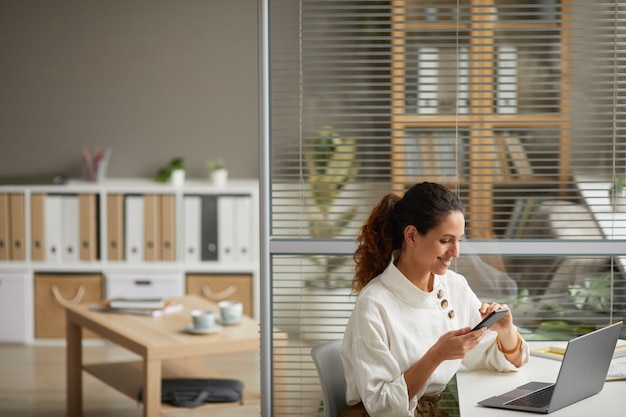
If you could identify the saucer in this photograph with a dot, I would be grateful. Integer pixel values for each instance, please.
(193, 330)
(229, 322)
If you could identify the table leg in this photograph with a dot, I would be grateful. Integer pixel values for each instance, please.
(74, 359)
(152, 392)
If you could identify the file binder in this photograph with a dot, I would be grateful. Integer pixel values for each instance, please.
(209, 228)
(53, 227)
(226, 228)
(115, 227)
(428, 81)
(5, 237)
(133, 226)
(18, 227)
(243, 247)
(192, 206)
(87, 227)
(463, 81)
(168, 227)
(69, 236)
(507, 80)
(152, 216)
(38, 241)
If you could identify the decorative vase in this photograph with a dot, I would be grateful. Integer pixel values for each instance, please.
(178, 177)
(324, 313)
(219, 177)
(618, 199)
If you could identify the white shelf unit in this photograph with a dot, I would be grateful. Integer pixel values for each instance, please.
(19, 277)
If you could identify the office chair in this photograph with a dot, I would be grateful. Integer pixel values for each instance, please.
(327, 360)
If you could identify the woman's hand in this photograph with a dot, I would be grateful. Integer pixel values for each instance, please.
(456, 344)
(505, 324)
(509, 340)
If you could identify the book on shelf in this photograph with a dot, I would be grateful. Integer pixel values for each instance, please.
(517, 154)
(507, 79)
(136, 302)
(168, 308)
(428, 80)
(431, 153)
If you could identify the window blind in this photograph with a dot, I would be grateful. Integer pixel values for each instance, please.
(514, 105)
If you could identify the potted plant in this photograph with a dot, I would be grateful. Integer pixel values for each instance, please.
(617, 194)
(331, 164)
(173, 172)
(218, 171)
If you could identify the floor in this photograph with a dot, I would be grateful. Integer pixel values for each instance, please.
(32, 382)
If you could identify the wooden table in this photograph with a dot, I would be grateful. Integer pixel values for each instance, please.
(163, 345)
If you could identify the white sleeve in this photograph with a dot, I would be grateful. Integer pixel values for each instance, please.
(379, 381)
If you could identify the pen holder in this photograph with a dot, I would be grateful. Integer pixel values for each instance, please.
(96, 174)
(95, 168)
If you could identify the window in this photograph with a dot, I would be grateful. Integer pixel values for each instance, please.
(514, 106)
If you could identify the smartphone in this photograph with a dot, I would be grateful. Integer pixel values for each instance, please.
(494, 316)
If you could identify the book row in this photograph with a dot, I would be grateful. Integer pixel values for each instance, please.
(443, 80)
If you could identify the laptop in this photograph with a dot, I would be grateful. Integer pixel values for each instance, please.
(582, 374)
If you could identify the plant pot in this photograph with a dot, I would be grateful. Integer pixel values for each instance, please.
(325, 312)
(178, 177)
(219, 177)
(618, 199)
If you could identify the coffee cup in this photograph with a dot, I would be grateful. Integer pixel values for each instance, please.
(202, 319)
(230, 311)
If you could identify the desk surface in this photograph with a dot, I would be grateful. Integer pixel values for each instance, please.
(475, 386)
(165, 337)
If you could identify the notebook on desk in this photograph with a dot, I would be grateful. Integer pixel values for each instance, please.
(582, 374)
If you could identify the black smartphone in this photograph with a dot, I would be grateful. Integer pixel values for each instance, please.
(494, 316)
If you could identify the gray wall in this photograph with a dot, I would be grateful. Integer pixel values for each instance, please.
(150, 79)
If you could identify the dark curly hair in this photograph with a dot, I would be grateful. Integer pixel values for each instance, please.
(424, 206)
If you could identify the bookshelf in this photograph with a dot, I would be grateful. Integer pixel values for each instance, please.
(467, 96)
(88, 241)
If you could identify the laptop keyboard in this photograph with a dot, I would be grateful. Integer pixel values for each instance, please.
(537, 399)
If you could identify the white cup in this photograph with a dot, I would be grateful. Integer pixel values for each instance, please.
(202, 319)
(231, 311)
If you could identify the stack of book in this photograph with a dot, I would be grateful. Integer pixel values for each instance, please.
(140, 306)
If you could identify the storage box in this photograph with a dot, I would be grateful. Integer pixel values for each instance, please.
(222, 287)
(53, 292)
(144, 284)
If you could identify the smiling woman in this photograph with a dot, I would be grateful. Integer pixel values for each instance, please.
(405, 249)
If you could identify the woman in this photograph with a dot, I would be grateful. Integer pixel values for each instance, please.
(411, 326)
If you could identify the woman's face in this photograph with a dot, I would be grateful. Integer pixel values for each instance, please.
(436, 250)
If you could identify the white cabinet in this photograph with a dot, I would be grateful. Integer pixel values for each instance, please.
(13, 307)
(143, 238)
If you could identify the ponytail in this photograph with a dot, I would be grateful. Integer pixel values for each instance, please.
(376, 243)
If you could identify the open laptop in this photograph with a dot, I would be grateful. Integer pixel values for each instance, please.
(582, 374)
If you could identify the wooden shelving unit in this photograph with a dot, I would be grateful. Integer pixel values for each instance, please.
(478, 156)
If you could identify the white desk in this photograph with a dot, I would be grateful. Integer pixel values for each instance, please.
(475, 386)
